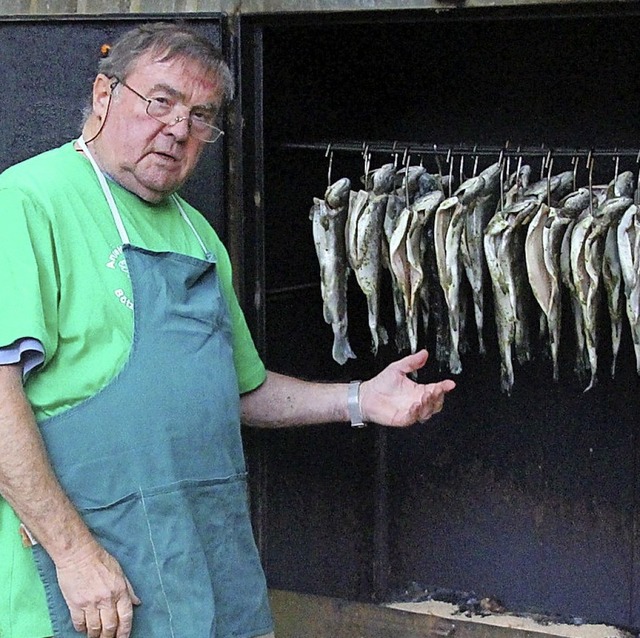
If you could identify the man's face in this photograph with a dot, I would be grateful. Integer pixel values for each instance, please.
(147, 157)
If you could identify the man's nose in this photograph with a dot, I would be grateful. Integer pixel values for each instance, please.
(180, 127)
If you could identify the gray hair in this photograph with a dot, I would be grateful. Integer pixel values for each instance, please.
(166, 40)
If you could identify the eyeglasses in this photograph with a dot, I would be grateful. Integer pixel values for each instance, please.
(163, 108)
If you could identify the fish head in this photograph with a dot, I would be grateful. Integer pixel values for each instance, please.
(575, 202)
(470, 189)
(382, 179)
(538, 190)
(449, 203)
(428, 183)
(429, 202)
(337, 194)
(521, 178)
(521, 210)
(612, 209)
(624, 185)
(561, 184)
(406, 179)
(491, 176)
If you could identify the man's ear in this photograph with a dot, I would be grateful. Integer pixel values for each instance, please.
(102, 89)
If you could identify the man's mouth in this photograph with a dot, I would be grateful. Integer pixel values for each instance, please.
(167, 156)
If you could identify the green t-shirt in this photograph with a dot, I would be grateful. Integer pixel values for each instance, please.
(64, 281)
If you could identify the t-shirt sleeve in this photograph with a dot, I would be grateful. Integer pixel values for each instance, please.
(250, 369)
(29, 352)
(28, 285)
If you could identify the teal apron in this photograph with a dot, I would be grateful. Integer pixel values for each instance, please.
(154, 462)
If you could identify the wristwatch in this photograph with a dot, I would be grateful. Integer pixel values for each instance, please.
(353, 404)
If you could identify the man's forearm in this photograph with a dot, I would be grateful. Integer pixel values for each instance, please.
(283, 401)
(27, 481)
(390, 398)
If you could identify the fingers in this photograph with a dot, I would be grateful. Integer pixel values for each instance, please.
(107, 620)
(78, 620)
(125, 614)
(93, 623)
(433, 399)
(413, 362)
(113, 622)
(134, 599)
(446, 385)
(99, 596)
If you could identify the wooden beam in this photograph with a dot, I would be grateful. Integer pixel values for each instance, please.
(307, 616)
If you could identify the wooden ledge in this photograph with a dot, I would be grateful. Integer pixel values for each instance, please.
(307, 616)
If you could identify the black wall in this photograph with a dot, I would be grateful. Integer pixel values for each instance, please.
(48, 66)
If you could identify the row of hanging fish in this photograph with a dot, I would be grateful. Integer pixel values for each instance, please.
(522, 241)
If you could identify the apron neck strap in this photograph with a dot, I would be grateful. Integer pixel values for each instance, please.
(124, 237)
(208, 255)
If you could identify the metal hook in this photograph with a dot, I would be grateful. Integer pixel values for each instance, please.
(502, 169)
(590, 163)
(617, 166)
(475, 163)
(395, 154)
(549, 167)
(367, 161)
(405, 156)
(575, 160)
(438, 162)
(545, 163)
(329, 154)
(405, 162)
(518, 170)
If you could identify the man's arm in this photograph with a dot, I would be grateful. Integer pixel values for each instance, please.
(97, 592)
(390, 398)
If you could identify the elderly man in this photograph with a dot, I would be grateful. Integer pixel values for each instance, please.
(127, 368)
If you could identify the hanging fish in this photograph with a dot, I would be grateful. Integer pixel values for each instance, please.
(539, 277)
(587, 249)
(623, 185)
(410, 182)
(553, 233)
(503, 252)
(516, 186)
(407, 181)
(364, 229)
(395, 206)
(629, 251)
(448, 225)
(328, 218)
(612, 279)
(423, 208)
(434, 310)
(448, 229)
(479, 212)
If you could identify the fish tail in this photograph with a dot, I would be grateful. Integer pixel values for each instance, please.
(342, 349)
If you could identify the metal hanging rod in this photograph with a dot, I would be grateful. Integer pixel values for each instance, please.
(446, 150)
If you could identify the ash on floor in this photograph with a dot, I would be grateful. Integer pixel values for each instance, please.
(454, 603)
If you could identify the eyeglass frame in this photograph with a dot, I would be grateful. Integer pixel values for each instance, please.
(177, 119)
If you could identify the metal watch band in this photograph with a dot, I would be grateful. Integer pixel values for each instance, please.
(353, 404)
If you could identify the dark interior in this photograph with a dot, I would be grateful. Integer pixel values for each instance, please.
(531, 498)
